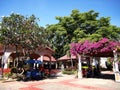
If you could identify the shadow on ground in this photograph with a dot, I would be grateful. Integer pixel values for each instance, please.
(106, 76)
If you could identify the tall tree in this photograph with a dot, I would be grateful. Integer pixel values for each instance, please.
(18, 30)
(56, 38)
(78, 27)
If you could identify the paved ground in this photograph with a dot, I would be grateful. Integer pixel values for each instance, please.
(64, 82)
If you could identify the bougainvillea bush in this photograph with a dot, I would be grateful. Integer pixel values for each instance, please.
(102, 48)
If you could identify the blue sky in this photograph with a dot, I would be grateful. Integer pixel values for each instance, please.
(46, 10)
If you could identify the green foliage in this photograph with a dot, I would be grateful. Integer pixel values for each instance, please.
(79, 27)
(109, 63)
(69, 71)
(18, 30)
(7, 75)
(14, 70)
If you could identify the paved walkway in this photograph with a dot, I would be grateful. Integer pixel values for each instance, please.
(63, 82)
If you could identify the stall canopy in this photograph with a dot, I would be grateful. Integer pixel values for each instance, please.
(66, 57)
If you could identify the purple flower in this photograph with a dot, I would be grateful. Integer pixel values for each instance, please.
(103, 46)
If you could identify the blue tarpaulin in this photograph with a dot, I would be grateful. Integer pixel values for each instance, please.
(31, 61)
(38, 62)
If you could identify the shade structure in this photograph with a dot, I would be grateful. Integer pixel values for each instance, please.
(34, 56)
(47, 59)
(66, 57)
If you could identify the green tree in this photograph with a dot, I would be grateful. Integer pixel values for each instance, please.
(18, 30)
(79, 27)
(56, 34)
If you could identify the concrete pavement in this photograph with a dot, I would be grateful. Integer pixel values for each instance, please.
(63, 82)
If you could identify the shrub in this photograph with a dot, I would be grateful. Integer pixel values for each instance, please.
(68, 72)
(13, 70)
(7, 75)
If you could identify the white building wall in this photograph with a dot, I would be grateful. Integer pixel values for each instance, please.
(103, 62)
